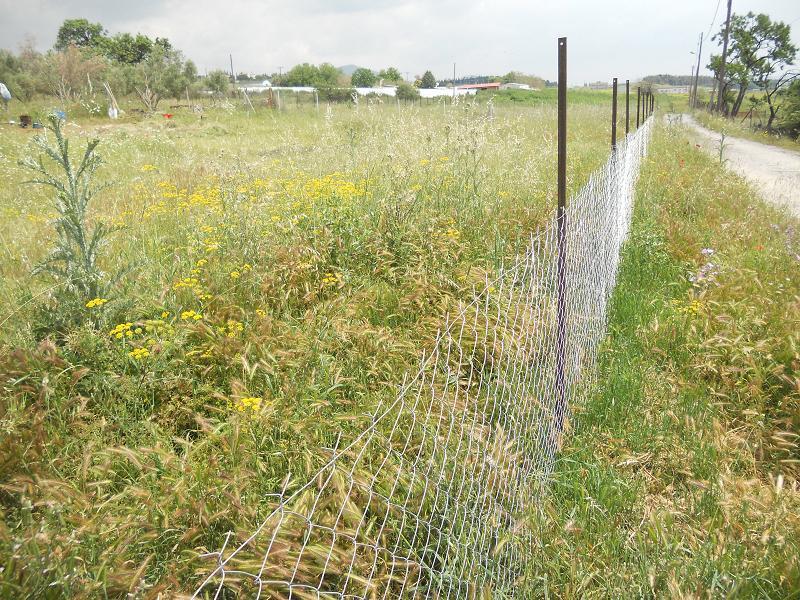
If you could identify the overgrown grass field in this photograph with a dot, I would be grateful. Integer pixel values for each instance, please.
(279, 272)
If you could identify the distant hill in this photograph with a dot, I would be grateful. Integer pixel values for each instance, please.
(349, 69)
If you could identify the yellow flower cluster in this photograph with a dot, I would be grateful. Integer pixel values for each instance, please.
(147, 168)
(232, 328)
(122, 330)
(139, 353)
(236, 273)
(190, 315)
(331, 279)
(186, 282)
(96, 302)
(692, 307)
(328, 186)
(250, 404)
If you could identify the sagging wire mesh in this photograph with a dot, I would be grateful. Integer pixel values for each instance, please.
(430, 499)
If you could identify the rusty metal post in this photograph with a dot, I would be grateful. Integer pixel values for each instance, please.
(614, 115)
(561, 226)
(627, 107)
(638, 105)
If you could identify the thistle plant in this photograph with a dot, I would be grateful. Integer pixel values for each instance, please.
(74, 261)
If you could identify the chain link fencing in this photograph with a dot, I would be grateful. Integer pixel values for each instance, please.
(431, 499)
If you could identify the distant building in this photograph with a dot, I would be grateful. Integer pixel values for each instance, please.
(673, 89)
(480, 86)
(597, 85)
(515, 86)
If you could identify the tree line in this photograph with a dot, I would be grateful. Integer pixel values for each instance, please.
(86, 58)
(760, 56)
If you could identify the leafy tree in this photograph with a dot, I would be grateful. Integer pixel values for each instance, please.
(159, 75)
(362, 77)
(301, 75)
(407, 92)
(79, 32)
(218, 82)
(517, 77)
(67, 74)
(327, 75)
(760, 49)
(428, 81)
(390, 74)
(790, 117)
(128, 49)
(324, 75)
(19, 72)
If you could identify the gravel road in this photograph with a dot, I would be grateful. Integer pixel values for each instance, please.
(773, 171)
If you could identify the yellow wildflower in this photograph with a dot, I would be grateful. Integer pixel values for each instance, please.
(96, 302)
(139, 353)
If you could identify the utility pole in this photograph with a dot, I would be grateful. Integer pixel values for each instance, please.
(233, 75)
(454, 82)
(697, 72)
(721, 92)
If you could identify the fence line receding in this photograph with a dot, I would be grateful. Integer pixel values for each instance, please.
(431, 498)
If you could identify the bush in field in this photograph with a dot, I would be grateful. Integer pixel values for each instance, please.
(391, 75)
(218, 82)
(74, 262)
(162, 74)
(68, 74)
(335, 94)
(363, 77)
(324, 75)
(790, 119)
(406, 91)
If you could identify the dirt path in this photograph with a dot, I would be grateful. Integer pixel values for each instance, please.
(774, 172)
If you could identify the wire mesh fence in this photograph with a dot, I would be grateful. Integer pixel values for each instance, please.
(431, 498)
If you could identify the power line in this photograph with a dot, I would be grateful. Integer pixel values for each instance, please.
(710, 27)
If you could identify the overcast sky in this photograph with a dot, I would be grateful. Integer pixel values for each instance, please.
(607, 38)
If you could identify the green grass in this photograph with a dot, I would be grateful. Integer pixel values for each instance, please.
(547, 96)
(681, 479)
(736, 127)
(321, 251)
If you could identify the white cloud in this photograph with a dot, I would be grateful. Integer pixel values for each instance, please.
(607, 38)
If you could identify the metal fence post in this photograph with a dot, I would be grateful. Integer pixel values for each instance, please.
(627, 107)
(561, 225)
(614, 115)
(638, 105)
